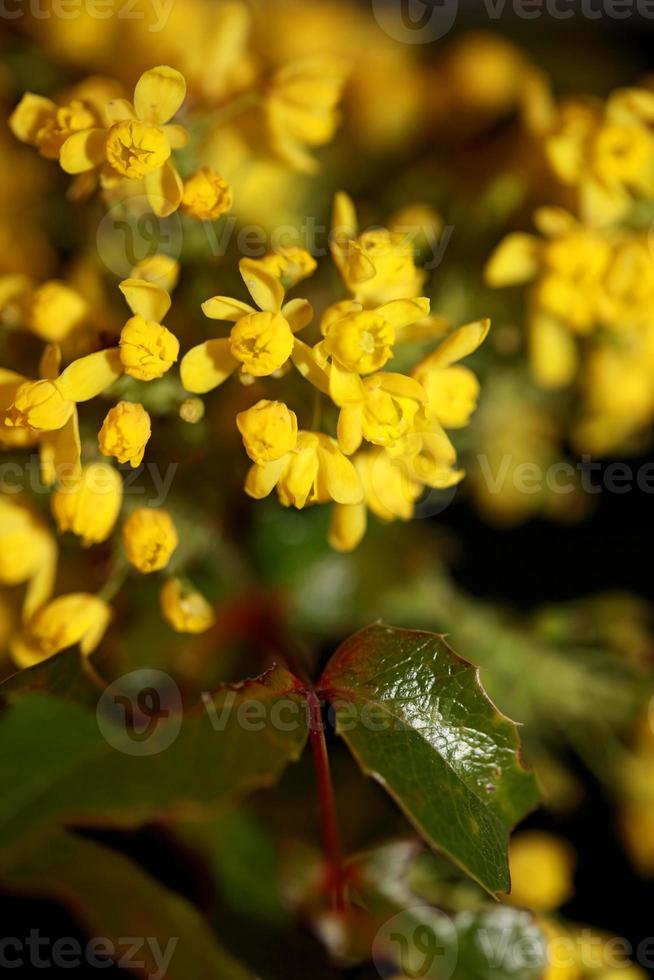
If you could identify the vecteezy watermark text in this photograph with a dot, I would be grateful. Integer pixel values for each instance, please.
(154, 13)
(423, 21)
(142, 954)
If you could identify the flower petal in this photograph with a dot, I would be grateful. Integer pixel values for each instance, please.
(158, 94)
(30, 116)
(263, 478)
(226, 308)
(61, 454)
(350, 428)
(305, 361)
(177, 136)
(119, 110)
(347, 526)
(298, 313)
(164, 189)
(460, 344)
(206, 366)
(339, 474)
(515, 261)
(345, 387)
(403, 312)
(552, 352)
(83, 151)
(265, 289)
(146, 298)
(88, 376)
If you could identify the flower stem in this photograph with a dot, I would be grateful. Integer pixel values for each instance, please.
(329, 823)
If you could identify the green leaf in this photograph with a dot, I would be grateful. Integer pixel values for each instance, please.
(59, 760)
(111, 896)
(418, 720)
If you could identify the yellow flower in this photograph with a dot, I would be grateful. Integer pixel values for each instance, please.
(39, 405)
(42, 123)
(90, 508)
(361, 341)
(206, 195)
(147, 349)
(260, 343)
(289, 264)
(606, 153)
(390, 492)
(55, 311)
(380, 409)
(376, 266)
(48, 408)
(452, 390)
(139, 142)
(542, 867)
(125, 433)
(300, 108)
(28, 553)
(315, 472)
(150, 538)
(77, 618)
(185, 609)
(269, 431)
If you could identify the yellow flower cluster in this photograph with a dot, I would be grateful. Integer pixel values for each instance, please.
(390, 439)
(589, 318)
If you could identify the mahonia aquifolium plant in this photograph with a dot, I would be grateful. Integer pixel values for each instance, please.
(390, 442)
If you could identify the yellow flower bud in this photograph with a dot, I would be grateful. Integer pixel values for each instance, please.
(56, 311)
(91, 506)
(361, 342)
(206, 195)
(125, 433)
(262, 342)
(147, 349)
(541, 871)
(269, 430)
(75, 618)
(136, 149)
(150, 538)
(185, 609)
(191, 410)
(39, 405)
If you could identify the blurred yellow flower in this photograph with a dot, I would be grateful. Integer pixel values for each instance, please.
(300, 108)
(91, 507)
(376, 266)
(28, 552)
(150, 538)
(542, 866)
(206, 195)
(185, 609)
(77, 618)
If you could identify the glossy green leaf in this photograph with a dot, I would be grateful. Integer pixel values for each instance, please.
(86, 760)
(111, 896)
(418, 720)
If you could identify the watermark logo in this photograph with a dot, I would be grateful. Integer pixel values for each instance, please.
(130, 233)
(416, 21)
(420, 943)
(140, 713)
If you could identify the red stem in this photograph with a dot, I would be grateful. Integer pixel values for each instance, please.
(330, 834)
